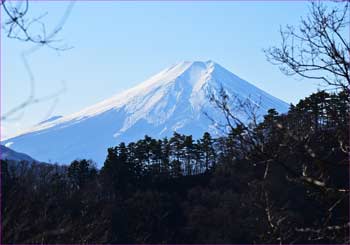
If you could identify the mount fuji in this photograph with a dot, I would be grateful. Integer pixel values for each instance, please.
(172, 100)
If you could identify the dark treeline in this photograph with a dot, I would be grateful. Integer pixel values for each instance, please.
(283, 180)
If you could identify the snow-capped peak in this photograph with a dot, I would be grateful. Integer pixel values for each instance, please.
(172, 100)
(192, 73)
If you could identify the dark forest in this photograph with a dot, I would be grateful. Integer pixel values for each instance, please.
(283, 180)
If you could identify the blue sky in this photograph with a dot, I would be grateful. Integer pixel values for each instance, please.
(117, 45)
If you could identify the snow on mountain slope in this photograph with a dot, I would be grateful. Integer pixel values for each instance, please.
(49, 120)
(172, 100)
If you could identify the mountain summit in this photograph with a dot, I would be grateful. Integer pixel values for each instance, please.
(172, 100)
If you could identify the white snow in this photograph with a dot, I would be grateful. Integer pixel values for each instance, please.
(173, 99)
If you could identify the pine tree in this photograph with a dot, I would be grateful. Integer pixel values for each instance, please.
(206, 145)
(189, 150)
(165, 156)
(80, 171)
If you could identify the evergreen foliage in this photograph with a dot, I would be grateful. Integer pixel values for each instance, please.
(286, 181)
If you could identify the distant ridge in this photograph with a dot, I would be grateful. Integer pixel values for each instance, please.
(8, 154)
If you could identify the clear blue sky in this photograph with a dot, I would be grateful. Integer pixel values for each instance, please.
(119, 44)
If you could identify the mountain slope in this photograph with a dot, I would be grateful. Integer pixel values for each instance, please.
(172, 100)
(8, 154)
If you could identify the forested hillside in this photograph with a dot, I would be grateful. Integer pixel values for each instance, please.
(284, 179)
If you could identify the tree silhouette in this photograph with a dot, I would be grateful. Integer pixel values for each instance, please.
(319, 48)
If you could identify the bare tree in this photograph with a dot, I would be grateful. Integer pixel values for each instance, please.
(20, 25)
(319, 48)
(254, 142)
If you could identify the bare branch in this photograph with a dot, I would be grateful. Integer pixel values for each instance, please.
(319, 49)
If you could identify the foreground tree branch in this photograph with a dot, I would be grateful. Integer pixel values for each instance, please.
(317, 49)
(19, 25)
